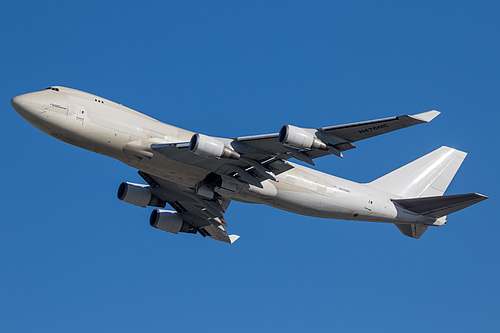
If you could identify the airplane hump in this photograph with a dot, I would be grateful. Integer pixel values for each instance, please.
(430, 175)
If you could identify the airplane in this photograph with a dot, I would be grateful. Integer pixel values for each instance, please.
(199, 175)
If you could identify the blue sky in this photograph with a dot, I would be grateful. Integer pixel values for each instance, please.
(75, 258)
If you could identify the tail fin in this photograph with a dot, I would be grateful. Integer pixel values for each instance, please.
(420, 186)
(429, 175)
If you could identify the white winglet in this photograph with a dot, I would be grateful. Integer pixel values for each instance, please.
(426, 116)
(233, 238)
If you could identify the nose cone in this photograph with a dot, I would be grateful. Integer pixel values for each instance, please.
(29, 106)
(32, 107)
(16, 103)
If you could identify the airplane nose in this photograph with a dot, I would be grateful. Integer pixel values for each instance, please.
(16, 102)
(28, 105)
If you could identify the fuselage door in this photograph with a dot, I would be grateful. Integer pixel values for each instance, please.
(71, 111)
(81, 113)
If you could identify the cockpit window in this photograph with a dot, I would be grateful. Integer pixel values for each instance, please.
(52, 88)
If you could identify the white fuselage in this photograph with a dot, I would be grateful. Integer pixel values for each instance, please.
(111, 129)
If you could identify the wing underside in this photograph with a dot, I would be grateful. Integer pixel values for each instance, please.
(205, 216)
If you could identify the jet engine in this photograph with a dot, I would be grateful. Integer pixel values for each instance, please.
(171, 221)
(299, 138)
(208, 146)
(139, 195)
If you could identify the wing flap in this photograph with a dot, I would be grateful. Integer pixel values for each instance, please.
(220, 234)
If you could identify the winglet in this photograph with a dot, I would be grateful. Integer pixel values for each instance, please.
(233, 238)
(426, 116)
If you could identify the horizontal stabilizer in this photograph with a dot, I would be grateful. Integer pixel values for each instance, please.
(411, 230)
(441, 205)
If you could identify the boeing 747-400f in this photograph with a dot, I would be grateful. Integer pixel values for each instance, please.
(199, 175)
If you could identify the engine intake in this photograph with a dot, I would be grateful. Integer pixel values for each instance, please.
(138, 195)
(299, 138)
(208, 146)
(171, 221)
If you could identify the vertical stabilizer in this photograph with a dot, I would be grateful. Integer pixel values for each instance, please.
(429, 175)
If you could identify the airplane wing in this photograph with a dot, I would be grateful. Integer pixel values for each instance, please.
(206, 216)
(253, 159)
(341, 137)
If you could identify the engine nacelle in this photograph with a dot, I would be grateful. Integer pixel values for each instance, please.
(171, 221)
(208, 146)
(299, 138)
(138, 195)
